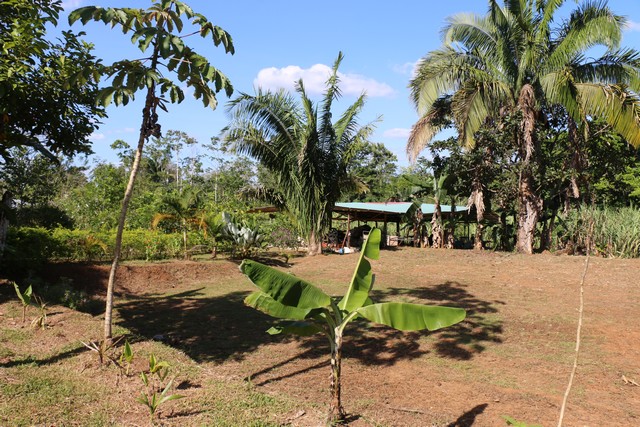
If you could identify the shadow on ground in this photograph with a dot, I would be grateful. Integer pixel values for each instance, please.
(206, 329)
(481, 326)
(223, 328)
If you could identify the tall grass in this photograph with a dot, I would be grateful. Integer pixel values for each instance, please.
(616, 231)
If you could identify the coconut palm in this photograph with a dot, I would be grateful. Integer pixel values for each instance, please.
(515, 60)
(307, 153)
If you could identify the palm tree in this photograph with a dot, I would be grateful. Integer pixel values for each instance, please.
(512, 62)
(183, 208)
(307, 153)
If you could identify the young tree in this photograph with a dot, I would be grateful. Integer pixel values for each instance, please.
(307, 310)
(158, 32)
(512, 60)
(298, 142)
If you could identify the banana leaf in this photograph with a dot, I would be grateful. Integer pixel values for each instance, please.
(412, 317)
(303, 329)
(285, 288)
(264, 303)
(363, 278)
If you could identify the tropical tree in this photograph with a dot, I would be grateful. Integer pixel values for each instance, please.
(158, 32)
(183, 208)
(307, 153)
(512, 62)
(47, 86)
(307, 310)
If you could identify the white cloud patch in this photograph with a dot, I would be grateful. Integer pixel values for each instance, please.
(97, 136)
(406, 69)
(315, 78)
(72, 4)
(632, 26)
(400, 133)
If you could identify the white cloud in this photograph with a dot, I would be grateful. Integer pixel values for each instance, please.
(97, 136)
(315, 78)
(632, 26)
(71, 4)
(397, 133)
(406, 69)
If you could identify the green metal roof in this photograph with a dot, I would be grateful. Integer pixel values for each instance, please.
(390, 207)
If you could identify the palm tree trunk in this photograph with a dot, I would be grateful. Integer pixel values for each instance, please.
(148, 128)
(315, 245)
(436, 227)
(336, 411)
(530, 204)
(477, 199)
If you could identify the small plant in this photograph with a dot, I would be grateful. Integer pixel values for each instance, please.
(103, 348)
(126, 357)
(243, 237)
(156, 391)
(308, 310)
(512, 422)
(25, 298)
(40, 321)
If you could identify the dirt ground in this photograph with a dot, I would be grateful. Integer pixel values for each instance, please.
(512, 356)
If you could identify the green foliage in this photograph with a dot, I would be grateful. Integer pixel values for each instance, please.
(308, 310)
(160, 28)
(32, 247)
(615, 231)
(41, 320)
(244, 237)
(512, 422)
(24, 297)
(41, 77)
(307, 153)
(156, 392)
(126, 358)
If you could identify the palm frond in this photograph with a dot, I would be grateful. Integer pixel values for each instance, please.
(614, 103)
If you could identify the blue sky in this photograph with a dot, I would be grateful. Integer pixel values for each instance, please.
(280, 41)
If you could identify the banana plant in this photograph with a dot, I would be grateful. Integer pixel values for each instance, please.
(25, 298)
(307, 310)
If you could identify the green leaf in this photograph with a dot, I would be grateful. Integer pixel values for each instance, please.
(363, 278)
(412, 317)
(303, 329)
(264, 303)
(285, 288)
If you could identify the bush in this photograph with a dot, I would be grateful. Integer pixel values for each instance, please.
(30, 248)
(616, 232)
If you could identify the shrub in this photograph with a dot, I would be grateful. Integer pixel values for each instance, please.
(616, 231)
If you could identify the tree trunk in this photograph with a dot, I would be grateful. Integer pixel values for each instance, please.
(315, 245)
(149, 127)
(477, 199)
(5, 207)
(530, 204)
(184, 239)
(451, 238)
(336, 411)
(436, 227)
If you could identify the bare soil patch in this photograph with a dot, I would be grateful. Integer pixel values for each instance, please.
(511, 357)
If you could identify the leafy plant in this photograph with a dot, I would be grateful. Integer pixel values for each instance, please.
(126, 357)
(25, 298)
(308, 310)
(243, 237)
(40, 321)
(512, 422)
(156, 391)
(158, 32)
